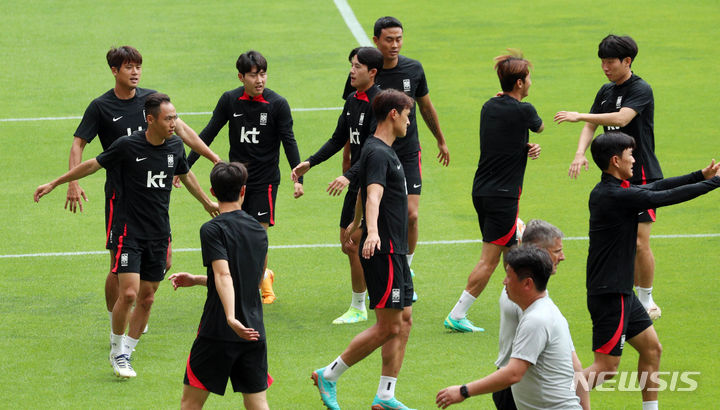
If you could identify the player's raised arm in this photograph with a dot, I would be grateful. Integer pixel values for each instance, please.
(75, 192)
(192, 140)
(84, 169)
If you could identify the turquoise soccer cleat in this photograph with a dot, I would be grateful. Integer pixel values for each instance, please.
(391, 404)
(462, 326)
(328, 390)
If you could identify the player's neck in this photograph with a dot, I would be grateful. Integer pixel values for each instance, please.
(154, 139)
(524, 304)
(124, 93)
(384, 133)
(389, 63)
(230, 206)
(625, 78)
(515, 93)
(367, 87)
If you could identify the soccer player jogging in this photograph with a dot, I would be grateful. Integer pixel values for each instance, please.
(548, 237)
(231, 342)
(540, 369)
(383, 248)
(144, 163)
(406, 75)
(625, 104)
(118, 112)
(260, 121)
(504, 149)
(355, 124)
(614, 204)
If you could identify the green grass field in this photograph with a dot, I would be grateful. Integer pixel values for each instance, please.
(53, 324)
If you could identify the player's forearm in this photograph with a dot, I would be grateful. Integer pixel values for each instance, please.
(429, 115)
(226, 291)
(499, 380)
(372, 207)
(76, 151)
(586, 137)
(611, 119)
(192, 185)
(192, 140)
(78, 172)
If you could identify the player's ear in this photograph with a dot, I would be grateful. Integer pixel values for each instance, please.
(242, 192)
(212, 191)
(240, 76)
(376, 40)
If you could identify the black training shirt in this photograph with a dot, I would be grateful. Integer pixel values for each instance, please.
(614, 208)
(504, 125)
(145, 173)
(240, 240)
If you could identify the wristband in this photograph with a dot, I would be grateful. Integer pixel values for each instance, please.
(464, 391)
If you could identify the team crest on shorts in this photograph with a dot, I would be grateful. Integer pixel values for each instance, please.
(406, 85)
(263, 118)
(396, 296)
(622, 342)
(123, 259)
(171, 160)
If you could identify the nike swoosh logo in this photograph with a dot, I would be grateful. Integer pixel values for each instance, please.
(115, 119)
(262, 213)
(237, 115)
(398, 166)
(140, 159)
(417, 185)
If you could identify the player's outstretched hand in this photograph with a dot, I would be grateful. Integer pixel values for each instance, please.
(448, 396)
(534, 150)
(246, 333)
(300, 170)
(566, 116)
(443, 155)
(74, 194)
(336, 187)
(299, 191)
(372, 242)
(711, 170)
(182, 280)
(176, 182)
(578, 163)
(42, 190)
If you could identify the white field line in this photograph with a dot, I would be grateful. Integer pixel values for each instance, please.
(335, 245)
(179, 114)
(352, 22)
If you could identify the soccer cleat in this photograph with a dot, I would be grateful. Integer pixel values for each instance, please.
(353, 315)
(415, 296)
(121, 366)
(462, 326)
(266, 287)
(654, 311)
(391, 404)
(328, 390)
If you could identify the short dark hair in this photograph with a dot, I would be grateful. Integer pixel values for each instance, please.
(385, 22)
(368, 56)
(387, 100)
(153, 103)
(116, 57)
(605, 146)
(510, 68)
(618, 47)
(529, 261)
(227, 179)
(541, 233)
(250, 59)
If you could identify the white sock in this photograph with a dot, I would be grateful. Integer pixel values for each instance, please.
(116, 344)
(386, 388)
(335, 369)
(462, 306)
(409, 258)
(358, 300)
(129, 345)
(645, 296)
(650, 405)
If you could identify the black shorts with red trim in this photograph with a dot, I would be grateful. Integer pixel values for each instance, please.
(348, 210)
(259, 202)
(647, 215)
(212, 362)
(497, 217)
(412, 165)
(388, 280)
(110, 204)
(146, 257)
(616, 317)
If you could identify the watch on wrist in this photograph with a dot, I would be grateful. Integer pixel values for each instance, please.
(464, 391)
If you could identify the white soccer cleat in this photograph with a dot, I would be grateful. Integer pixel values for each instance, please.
(121, 366)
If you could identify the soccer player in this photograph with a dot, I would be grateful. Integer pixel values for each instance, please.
(616, 313)
(355, 124)
(540, 369)
(383, 248)
(407, 75)
(260, 121)
(117, 113)
(625, 104)
(504, 149)
(144, 164)
(548, 237)
(231, 342)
